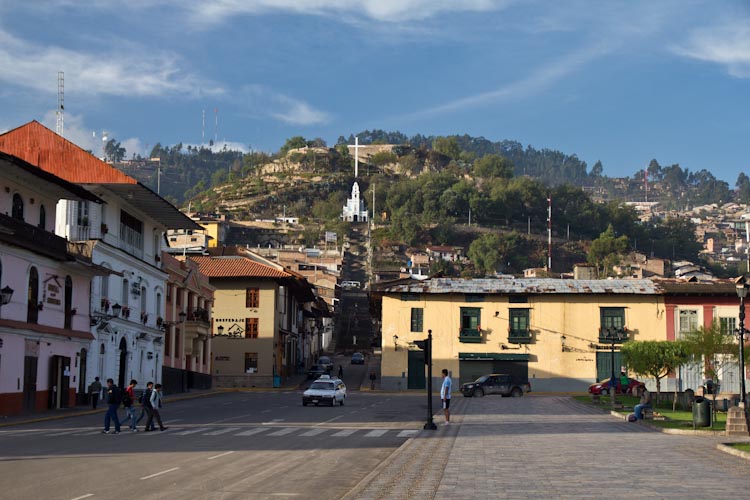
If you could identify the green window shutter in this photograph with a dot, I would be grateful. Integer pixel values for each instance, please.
(417, 319)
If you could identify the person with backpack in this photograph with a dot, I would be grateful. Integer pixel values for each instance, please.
(155, 406)
(128, 398)
(95, 390)
(145, 401)
(112, 394)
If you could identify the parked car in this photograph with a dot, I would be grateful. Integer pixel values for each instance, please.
(358, 358)
(326, 363)
(603, 387)
(496, 383)
(316, 371)
(325, 390)
(350, 285)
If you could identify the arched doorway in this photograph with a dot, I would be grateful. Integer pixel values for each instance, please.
(123, 362)
(32, 309)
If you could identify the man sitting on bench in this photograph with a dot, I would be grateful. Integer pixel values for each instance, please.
(645, 402)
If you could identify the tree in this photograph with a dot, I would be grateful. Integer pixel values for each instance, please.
(655, 359)
(484, 252)
(295, 142)
(493, 166)
(113, 151)
(714, 346)
(606, 250)
(743, 188)
(447, 146)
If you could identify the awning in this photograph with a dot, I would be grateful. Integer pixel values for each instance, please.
(491, 356)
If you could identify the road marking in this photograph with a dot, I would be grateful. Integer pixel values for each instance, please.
(345, 432)
(283, 432)
(192, 431)
(171, 421)
(68, 432)
(410, 433)
(376, 433)
(83, 496)
(313, 432)
(266, 411)
(229, 403)
(222, 431)
(257, 430)
(330, 420)
(220, 455)
(274, 421)
(160, 473)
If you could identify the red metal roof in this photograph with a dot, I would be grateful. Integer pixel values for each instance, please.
(40, 146)
(236, 267)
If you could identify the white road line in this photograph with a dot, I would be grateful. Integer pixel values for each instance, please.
(330, 420)
(83, 496)
(229, 403)
(345, 432)
(171, 421)
(313, 432)
(220, 455)
(376, 433)
(274, 421)
(160, 473)
(283, 432)
(192, 431)
(66, 433)
(250, 432)
(404, 434)
(222, 431)
(266, 411)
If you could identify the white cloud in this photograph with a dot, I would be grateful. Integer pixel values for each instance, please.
(286, 109)
(727, 44)
(127, 70)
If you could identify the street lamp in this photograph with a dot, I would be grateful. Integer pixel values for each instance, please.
(220, 329)
(614, 335)
(741, 288)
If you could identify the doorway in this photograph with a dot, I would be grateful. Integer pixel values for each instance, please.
(29, 382)
(416, 377)
(604, 365)
(59, 382)
(123, 362)
(82, 388)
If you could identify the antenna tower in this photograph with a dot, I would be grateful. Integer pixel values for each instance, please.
(60, 126)
(203, 127)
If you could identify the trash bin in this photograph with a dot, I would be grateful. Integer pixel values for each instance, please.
(701, 412)
(277, 381)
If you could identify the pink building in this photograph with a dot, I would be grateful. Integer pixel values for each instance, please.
(44, 317)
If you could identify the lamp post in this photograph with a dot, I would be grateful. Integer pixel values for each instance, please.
(741, 288)
(614, 334)
(426, 346)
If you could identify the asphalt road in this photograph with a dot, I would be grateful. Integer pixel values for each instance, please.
(230, 446)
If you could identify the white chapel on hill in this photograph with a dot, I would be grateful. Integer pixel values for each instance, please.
(355, 210)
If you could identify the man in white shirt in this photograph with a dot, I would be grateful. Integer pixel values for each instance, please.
(445, 396)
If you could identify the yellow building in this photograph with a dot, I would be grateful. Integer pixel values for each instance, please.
(558, 333)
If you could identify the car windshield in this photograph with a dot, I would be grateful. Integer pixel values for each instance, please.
(482, 378)
(322, 386)
(324, 360)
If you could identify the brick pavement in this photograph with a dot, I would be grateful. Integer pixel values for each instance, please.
(551, 447)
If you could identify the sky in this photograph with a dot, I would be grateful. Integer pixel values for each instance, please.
(622, 82)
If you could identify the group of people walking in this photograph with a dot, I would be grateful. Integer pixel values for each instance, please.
(150, 401)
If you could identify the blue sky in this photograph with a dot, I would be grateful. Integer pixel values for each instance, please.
(618, 81)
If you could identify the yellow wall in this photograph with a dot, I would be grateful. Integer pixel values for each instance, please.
(551, 316)
(212, 230)
(230, 311)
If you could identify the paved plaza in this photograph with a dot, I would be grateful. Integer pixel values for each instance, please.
(553, 447)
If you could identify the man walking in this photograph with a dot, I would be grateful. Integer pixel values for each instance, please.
(445, 396)
(146, 405)
(155, 406)
(95, 390)
(128, 398)
(112, 393)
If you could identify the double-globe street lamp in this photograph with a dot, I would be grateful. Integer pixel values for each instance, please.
(614, 335)
(741, 287)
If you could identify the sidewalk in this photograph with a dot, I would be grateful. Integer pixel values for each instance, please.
(291, 384)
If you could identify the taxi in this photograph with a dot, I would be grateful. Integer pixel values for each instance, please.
(325, 390)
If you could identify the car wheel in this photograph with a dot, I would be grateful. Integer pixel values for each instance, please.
(304, 403)
(604, 392)
(478, 393)
(516, 393)
(342, 401)
(466, 395)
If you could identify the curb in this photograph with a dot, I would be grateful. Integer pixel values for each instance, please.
(726, 448)
(668, 430)
(365, 481)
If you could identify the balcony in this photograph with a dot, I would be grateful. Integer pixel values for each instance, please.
(20, 234)
(470, 335)
(616, 335)
(519, 336)
(131, 241)
(197, 328)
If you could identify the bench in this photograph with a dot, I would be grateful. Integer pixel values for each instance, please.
(648, 413)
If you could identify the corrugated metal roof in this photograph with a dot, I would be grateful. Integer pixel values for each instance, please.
(236, 267)
(526, 286)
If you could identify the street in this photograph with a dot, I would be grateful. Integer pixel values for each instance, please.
(235, 445)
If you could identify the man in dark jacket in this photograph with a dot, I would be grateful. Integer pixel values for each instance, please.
(146, 409)
(112, 395)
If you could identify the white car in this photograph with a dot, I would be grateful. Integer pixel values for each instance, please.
(325, 390)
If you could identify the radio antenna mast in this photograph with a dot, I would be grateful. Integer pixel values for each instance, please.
(60, 126)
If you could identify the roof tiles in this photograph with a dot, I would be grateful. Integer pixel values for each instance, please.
(236, 267)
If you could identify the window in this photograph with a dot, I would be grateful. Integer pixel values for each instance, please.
(178, 296)
(125, 291)
(519, 326)
(251, 328)
(252, 297)
(474, 297)
(688, 321)
(727, 325)
(410, 297)
(82, 213)
(104, 288)
(17, 210)
(177, 353)
(32, 309)
(518, 299)
(68, 302)
(417, 319)
(471, 325)
(158, 304)
(251, 362)
(167, 342)
(42, 217)
(611, 321)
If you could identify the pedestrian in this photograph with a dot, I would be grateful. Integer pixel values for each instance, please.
(341, 371)
(445, 396)
(112, 393)
(372, 380)
(155, 407)
(128, 399)
(95, 390)
(146, 404)
(644, 403)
